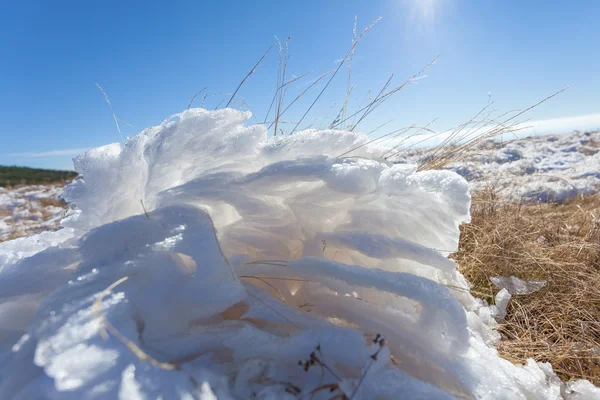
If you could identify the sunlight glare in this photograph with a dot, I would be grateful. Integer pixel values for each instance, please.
(423, 10)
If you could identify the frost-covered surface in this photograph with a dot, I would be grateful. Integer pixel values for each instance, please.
(253, 254)
(27, 210)
(552, 167)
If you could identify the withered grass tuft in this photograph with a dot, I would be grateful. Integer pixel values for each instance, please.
(559, 243)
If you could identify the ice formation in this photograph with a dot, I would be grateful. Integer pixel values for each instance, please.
(514, 285)
(208, 261)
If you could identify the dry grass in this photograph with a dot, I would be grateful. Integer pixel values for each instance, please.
(559, 243)
(52, 201)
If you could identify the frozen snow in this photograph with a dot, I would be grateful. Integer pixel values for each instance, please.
(208, 261)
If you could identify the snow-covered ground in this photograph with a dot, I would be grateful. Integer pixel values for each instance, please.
(208, 261)
(551, 167)
(30, 209)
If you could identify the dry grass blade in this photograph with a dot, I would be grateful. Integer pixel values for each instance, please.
(396, 133)
(278, 263)
(370, 105)
(111, 111)
(194, 98)
(382, 96)
(381, 99)
(264, 280)
(349, 86)
(394, 150)
(302, 94)
(536, 104)
(207, 95)
(125, 122)
(108, 327)
(284, 86)
(283, 57)
(249, 74)
(273, 309)
(335, 72)
(278, 85)
(382, 125)
(144, 208)
(340, 121)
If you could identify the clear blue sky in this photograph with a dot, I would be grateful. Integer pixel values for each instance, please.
(151, 57)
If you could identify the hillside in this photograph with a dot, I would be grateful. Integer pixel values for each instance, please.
(13, 175)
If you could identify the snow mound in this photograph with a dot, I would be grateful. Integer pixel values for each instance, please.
(208, 261)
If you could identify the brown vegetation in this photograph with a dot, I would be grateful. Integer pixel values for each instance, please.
(52, 201)
(559, 243)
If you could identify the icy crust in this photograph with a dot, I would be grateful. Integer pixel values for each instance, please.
(206, 261)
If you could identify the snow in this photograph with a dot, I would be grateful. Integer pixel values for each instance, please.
(29, 209)
(206, 261)
(551, 167)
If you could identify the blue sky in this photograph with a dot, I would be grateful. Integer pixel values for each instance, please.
(151, 57)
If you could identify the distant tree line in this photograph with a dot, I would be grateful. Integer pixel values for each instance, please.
(13, 175)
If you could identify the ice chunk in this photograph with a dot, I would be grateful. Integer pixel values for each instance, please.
(582, 390)
(514, 285)
(502, 299)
